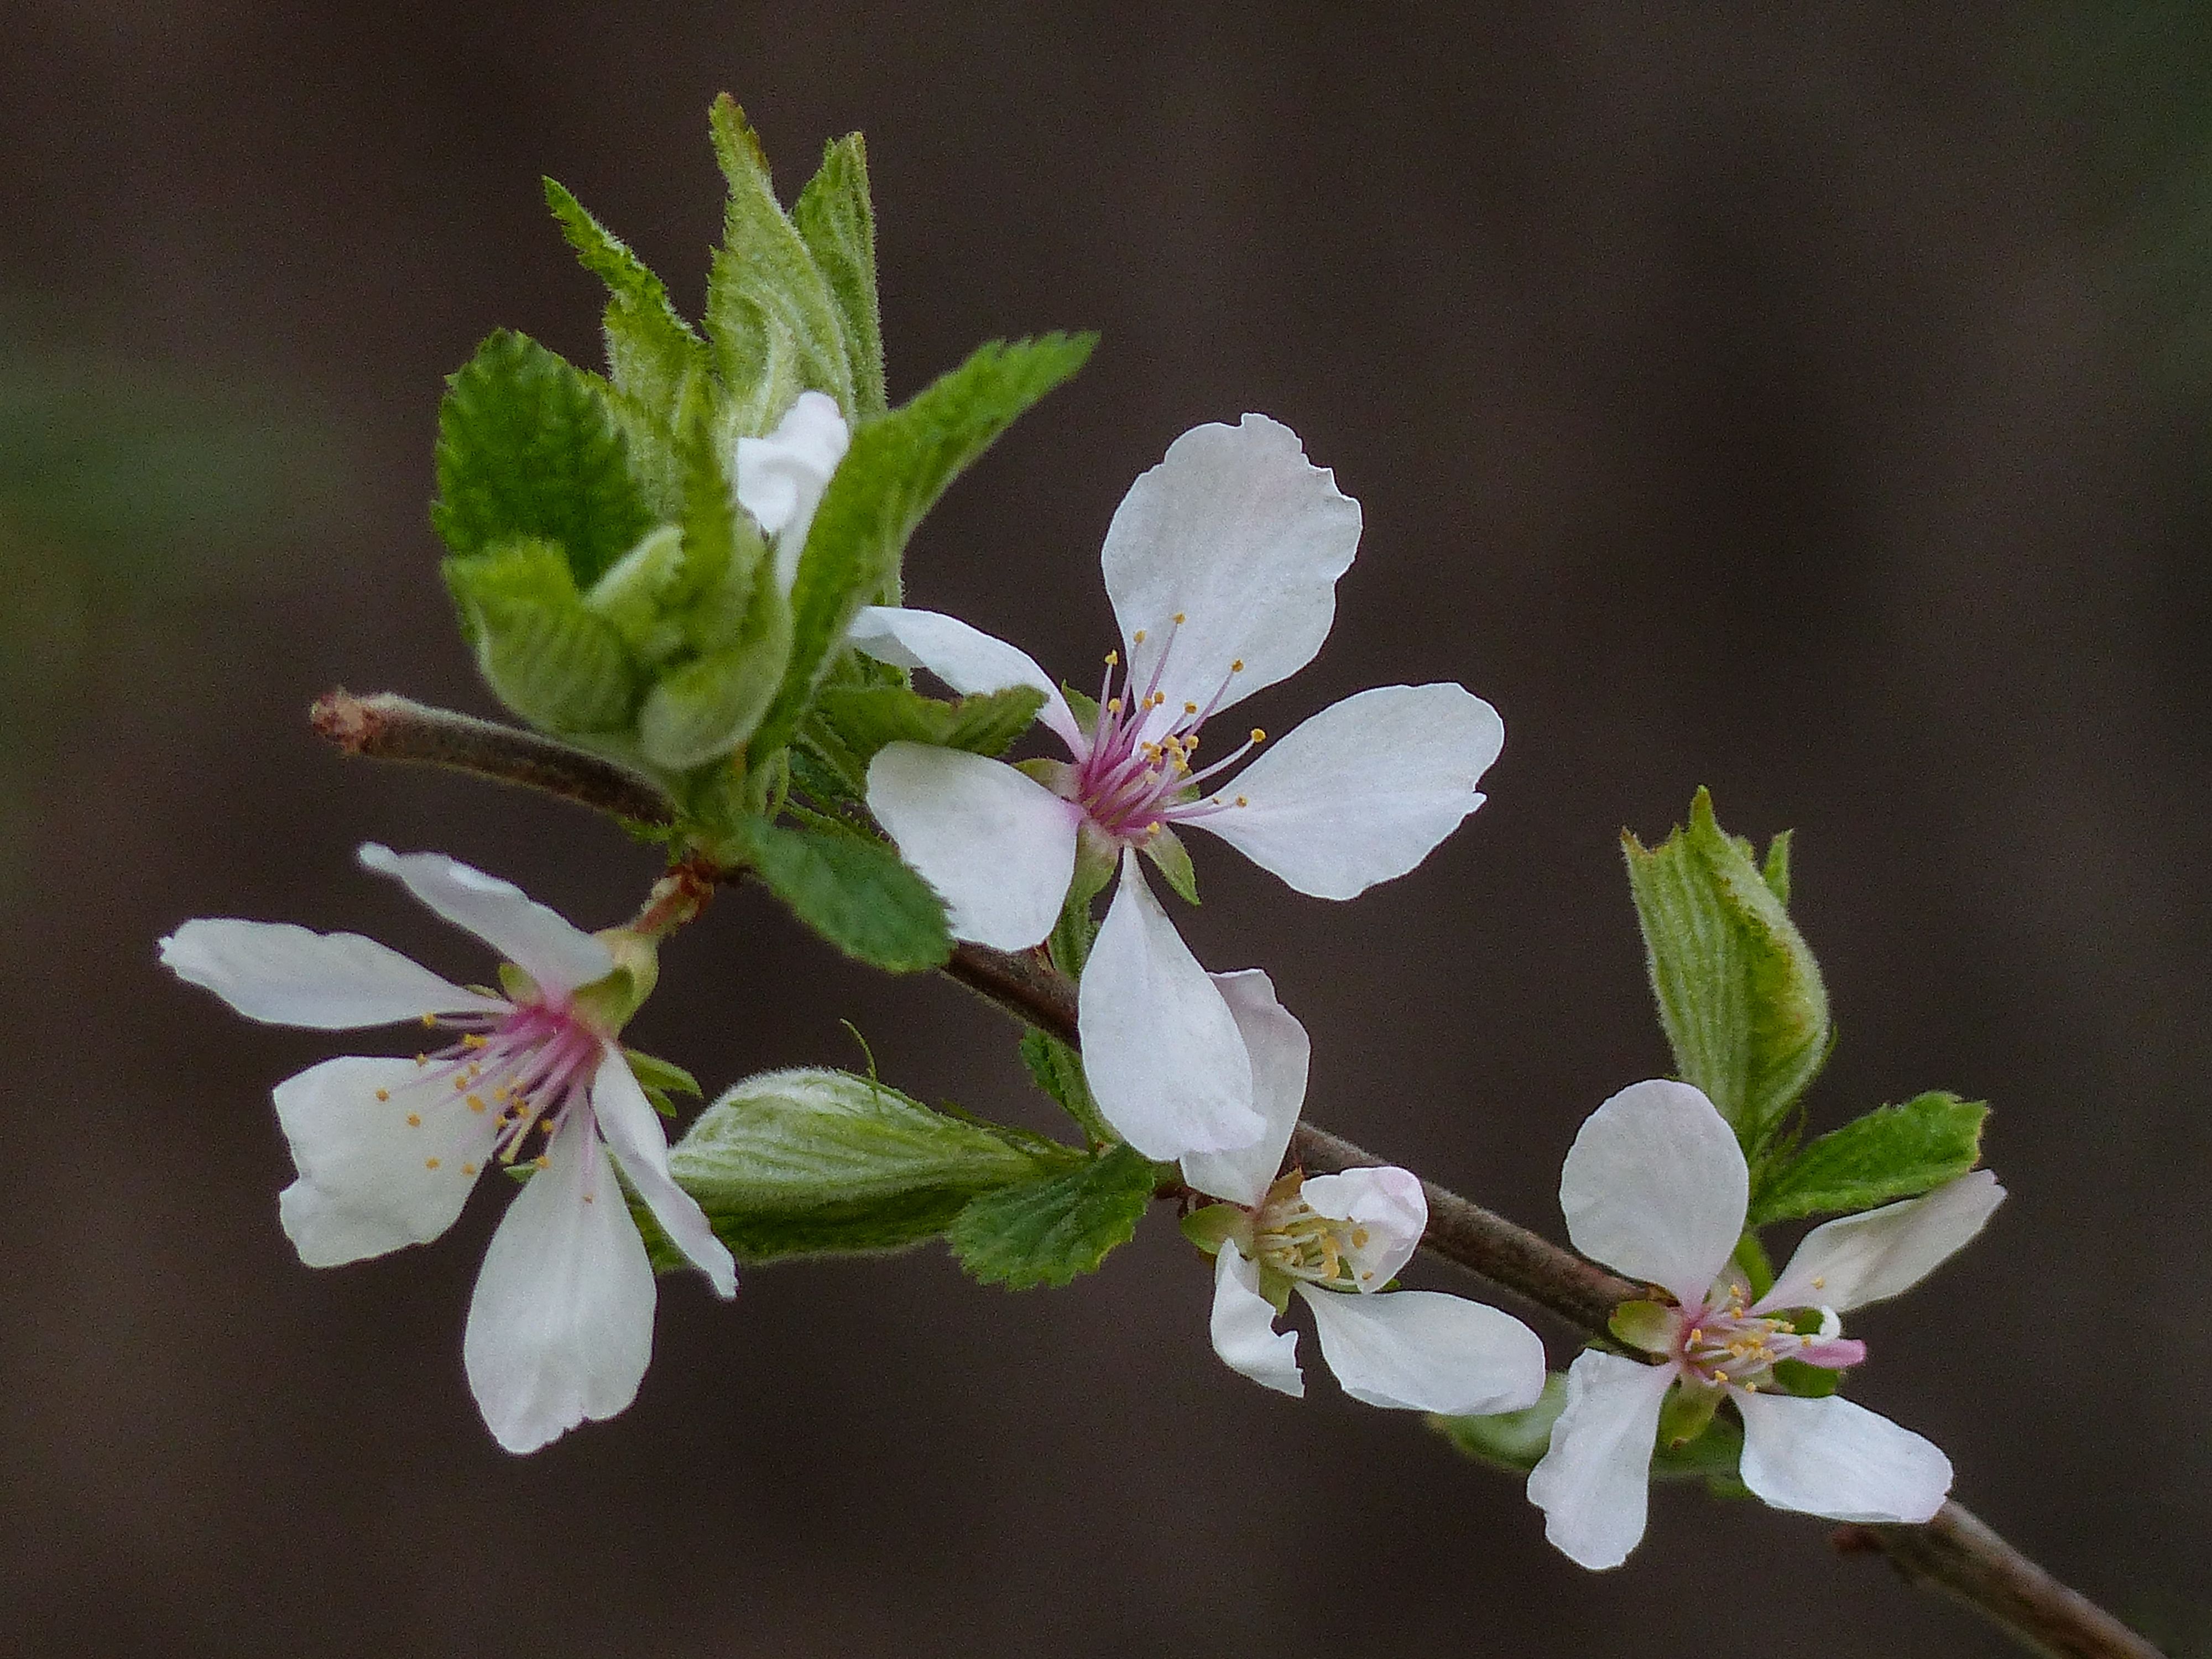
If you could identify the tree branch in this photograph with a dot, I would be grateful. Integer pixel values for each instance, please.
(1955, 1552)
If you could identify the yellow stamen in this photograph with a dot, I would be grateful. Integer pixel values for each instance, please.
(473, 1040)
(543, 1162)
(1114, 658)
(414, 1119)
(1258, 735)
(384, 1094)
(429, 1162)
(1237, 667)
(1113, 705)
(1179, 618)
(475, 1102)
(1242, 801)
(1190, 708)
(1820, 1282)
(468, 1169)
(429, 1022)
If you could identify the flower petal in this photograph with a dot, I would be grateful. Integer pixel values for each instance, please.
(1243, 1328)
(1389, 1212)
(1835, 1458)
(780, 477)
(1243, 538)
(633, 1135)
(1847, 1263)
(1594, 1483)
(1363, 791)
(1655, 1186)
(553, 950)
(561, 1326)
(386, 1152)
(998, 846)
(1423, 1351)
(1279, 1052)
(283, 975)
(966, 659)
(1165, 1060)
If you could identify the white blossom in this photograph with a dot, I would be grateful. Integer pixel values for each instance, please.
(1656, 1186)
(387, 1150)
(1221, 564)
(781, 478)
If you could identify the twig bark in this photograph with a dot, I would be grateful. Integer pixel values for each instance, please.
(1955, 1552)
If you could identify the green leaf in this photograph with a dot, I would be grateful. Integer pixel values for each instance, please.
(837, 222)
(1047, 1231)
(1058, 1069)
(639, 594)
(862, 719)
(775, 330)
(554, 661)
(707, 708)
(898, 465)
(1172, 860)
(527, 447)
(853, 892)
(1893, 1153)
(1739, 991)
(820, 1162)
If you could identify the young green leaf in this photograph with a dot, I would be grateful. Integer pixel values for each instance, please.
(528, 447)
(653, 356)
(837, 222)
(898, 465)
(1058, 1069)
(852, 891)
(707, 708)
(774, 329)
(1047, 1231)
(862, 719)
(1893, 1153)
(821, 1162)
(1739, 991)
(553, 660)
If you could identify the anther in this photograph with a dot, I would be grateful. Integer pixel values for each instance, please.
(1190, 708)
(542, 1161)
(429, 1022)
(1237, 667)
(475, 1102)
(384, 1094)
(429, 1162)
(468, 1169)
(414, 1119)
(1242, 801)
(1258, 735)
(1179, 619)
(1820, 1282)
(1114, 658)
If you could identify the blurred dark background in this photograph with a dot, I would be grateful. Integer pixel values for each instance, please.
(1817, 410)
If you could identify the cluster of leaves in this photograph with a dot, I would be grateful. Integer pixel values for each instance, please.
(1740, 998)
(618, 595)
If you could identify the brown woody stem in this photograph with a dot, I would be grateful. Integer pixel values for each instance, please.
(1955, 1552)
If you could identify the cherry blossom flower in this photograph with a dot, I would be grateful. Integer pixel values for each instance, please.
(561, 1325)
(1337, 1240)
(1656, 1186)
(781, 478)
(1222, 563)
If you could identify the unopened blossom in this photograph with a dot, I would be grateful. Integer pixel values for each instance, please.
(387, 1150)
(1337, 1241)
(1221, 564)
(1656, 1186)
(780, 477)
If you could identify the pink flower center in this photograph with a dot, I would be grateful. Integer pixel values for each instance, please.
(1723, 1342)
(528, 1068)
(1135, 775)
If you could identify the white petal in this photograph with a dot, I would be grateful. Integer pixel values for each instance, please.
(286, 975)
(1388, 1213)
(1237, 532)
(1279, 1052)
(1594, 1483)
(1831, 1457)
(1165, 1060)
(780, 477)
(1655, 1186)
(966, 659)
(633, 1130)
(1364, 790)
(375, 1174)
(1847, 1263)
(1422, 1350)
(553, 950)
(998, 846)
(561, 1326)
(1243, 1326)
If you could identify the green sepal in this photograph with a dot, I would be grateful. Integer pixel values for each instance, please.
(1648, 1326)
(1749, 1258)
(661, 1079)
(863, 718)
(1058, 1069)
(1687, 1412)
(836, 220)
(814, 1161)
(1807, 1381)
(1047, 1231)
(1216, 1224)
(852, 891)
(1275, 1287)
(1172, 860)
(1739, 993)
(1512, 1441)
(1069, 943)
(1893, 1153)
(549, 658)
(773, 328)
(528, 447)
(897, 466)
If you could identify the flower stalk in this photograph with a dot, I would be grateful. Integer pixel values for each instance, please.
(1955, 1552)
